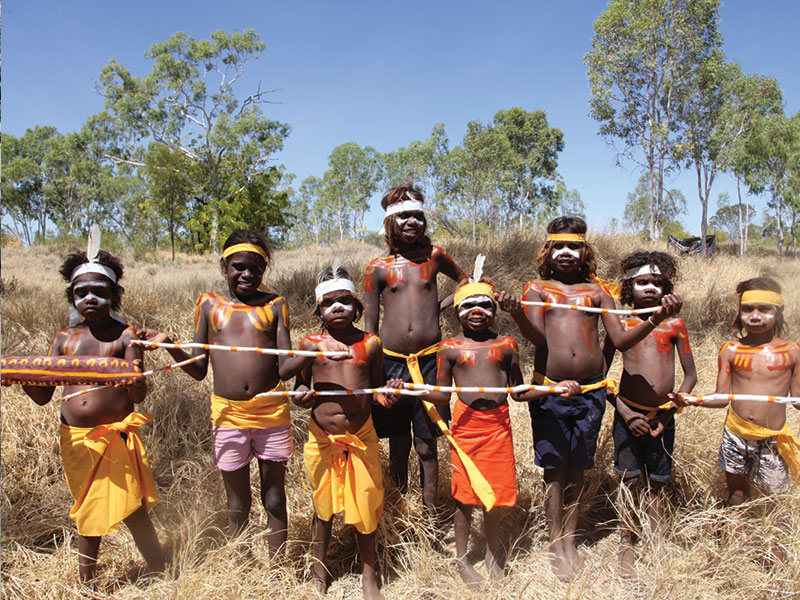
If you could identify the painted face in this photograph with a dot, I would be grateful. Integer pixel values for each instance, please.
(648, 289)
(244, 272)
(93, 294)
(567, 255)
(758, 317)
(337, 308)
(410, 225)
(476, 312)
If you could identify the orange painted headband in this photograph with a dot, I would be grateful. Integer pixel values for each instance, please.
(566, 237)
(244, 248)
(761, 297)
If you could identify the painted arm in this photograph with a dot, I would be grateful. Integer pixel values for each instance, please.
(686, 359)
(444, 376)
(302, 380)
(529, 319)
(372, 300)
(625, 339)
(135, 354)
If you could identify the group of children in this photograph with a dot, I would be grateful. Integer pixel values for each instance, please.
(250, 410)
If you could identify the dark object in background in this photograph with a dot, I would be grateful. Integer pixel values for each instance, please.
(693, 245)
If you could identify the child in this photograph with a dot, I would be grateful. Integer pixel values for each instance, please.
(342, 455)
(405, 281)
(105, 464)
(757, 443)
(565, 432)
(644, 425)
(481, 423)
(243, 425)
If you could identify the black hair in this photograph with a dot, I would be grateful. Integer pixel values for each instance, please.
(393, 196)
(760, 283)
(340, 272)
(666, 263)
(77, 259)
(249, 236)
(568, 224)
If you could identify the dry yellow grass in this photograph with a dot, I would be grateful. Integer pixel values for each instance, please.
(701, 550)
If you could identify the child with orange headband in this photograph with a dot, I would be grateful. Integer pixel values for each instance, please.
(568, 347)
(244, 424)
(757, 445)
(481, 424)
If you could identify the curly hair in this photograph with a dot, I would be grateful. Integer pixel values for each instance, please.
(569, 224)
(760, 283)
(249, 236)
(76, 259)
(341, 273)
(666, 263)
(393, 196)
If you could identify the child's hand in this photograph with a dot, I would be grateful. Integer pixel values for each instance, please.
(152, 335)
(334, 346)
(508, 302)
(656, 427)
(670, 306)
(679, 399)
(305, 400)
(387, 399)
(569, 388)
(639, 425)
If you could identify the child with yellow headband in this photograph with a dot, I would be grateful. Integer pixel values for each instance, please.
(244, 425)
(758, 447)
(481, 424)
(568, 347)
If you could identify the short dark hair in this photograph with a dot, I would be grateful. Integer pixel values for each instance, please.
(666, 264)
(76, 259)
(760, 283)
(568, 224)
(339, 272)
(249, 236)
(393, 196)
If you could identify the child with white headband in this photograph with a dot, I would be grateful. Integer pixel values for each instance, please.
(342, 455)
(644, 424)
(404, 281)
(568, 347)
(104, 460)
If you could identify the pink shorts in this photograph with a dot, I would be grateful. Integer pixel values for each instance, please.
(234, 448)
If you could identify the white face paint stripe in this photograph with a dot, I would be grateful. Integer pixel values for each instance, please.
(643, 287)
(469, 304)
(565, 250)
(348, 308)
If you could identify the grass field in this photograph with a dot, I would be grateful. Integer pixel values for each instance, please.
(701, 549)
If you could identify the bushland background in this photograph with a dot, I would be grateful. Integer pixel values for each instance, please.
(701, 548)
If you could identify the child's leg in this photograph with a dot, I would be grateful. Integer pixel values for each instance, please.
(427, 450)
(88, 548)
(572, 500)
(625, 504)
(321, 531)
(144, 534)
(555, 480)
(237, 490)
(462, 521)
(399, 451)
(495, 553)
(273, 497)
(737, 488)
(369, 579)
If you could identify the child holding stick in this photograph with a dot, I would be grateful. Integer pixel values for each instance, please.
(481, 423)
(105, 463)
(342, 455)
(565, 431)
(405, 281)
(758, 447)
(644, 424)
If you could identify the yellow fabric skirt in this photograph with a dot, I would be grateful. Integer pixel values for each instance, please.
(787, 443)
(258, 413)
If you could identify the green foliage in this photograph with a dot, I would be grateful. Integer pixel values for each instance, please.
(639, 211)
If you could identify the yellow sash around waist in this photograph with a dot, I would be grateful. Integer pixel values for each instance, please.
(787, 443)
(479, 484)
(108, 476)
(608, 383)
(652, 411)
(345, 471)
(259, 413)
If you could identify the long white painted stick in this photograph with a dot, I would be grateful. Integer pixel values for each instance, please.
(376, 390)
(594, 309)
(254, 349)
(553, 389)
(698, 400)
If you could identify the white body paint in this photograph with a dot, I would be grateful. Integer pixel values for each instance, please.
(348, 308)
(574, 253)
(644, 287)
(471, 303)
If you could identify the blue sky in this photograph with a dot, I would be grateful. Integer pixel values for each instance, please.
(377, 73)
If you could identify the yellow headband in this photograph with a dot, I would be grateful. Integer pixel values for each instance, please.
(761, 297)
(477, 288)
(566, 237)
(244, 248)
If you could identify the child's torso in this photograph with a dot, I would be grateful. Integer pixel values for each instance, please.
(480, 364)
(649, 366)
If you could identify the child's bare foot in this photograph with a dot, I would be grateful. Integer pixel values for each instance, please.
(470, 576)
(495, 571)
(561, 566)
(626, 558)
(320, 583)
(369, 585)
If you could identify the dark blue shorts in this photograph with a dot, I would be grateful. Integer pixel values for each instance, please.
(567, 428)
(645, 454)
(408, 410)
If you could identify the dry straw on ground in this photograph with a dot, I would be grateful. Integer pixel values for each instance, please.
(701, 549)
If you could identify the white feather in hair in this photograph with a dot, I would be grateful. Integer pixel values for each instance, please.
(93, 244)
(477, 270)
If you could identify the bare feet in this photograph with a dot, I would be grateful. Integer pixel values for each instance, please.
(470, 576)
(495, 571)
(626, 558)
(369, 585)
(561, 566)
(320, 582)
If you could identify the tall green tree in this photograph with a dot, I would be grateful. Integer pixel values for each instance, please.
(424, 162)
(644, 62)
(638, 208)
(190, 102)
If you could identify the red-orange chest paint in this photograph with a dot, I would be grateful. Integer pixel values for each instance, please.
(222, 311)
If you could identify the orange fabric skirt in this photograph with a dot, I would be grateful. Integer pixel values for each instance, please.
(485, 435)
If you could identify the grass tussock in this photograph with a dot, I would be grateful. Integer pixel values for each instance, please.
(701, 549)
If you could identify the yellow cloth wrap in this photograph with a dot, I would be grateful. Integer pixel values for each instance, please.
(108, 477)
(612, 289)
(479, 484)
(608, 383)
(787, 442)
(566, 237)
(652, 411)
(345, 472)
(477, 288)
(761, 297)
(244, 248)
(259, 413)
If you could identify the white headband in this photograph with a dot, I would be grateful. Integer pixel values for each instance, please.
(404, 206)
(93, 267)
(333, 285)
(643, 270)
